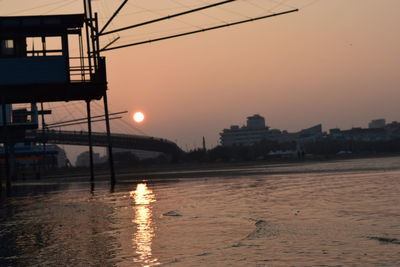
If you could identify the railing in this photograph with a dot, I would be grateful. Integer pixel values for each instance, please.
(100, 137)
(79, 68)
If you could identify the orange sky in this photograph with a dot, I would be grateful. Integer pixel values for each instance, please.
(335, 62)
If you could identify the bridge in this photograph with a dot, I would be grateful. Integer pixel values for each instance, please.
(124, 141)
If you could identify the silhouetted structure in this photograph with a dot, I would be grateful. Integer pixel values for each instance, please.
(37, 66)
(126, 141)
(256, 130)
(379, 123)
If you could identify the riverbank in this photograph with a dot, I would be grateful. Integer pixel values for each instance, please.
(226, 169)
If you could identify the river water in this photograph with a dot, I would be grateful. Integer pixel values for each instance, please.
(344, 213)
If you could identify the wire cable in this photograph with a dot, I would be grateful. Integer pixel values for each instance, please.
(59, 7)
(34, 8)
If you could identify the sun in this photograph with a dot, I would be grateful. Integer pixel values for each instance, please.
(138, 116)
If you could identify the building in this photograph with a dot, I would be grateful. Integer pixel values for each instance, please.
(360, 134)
(21, 154)
(376, 124)
(311, 134)
(140, 154)
(257, 130)
(254, 131)
(61, 156)
(393, 130)
(29, 155)
(83, 159)
(377, 131)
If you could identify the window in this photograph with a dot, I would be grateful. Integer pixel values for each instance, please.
(9, 44)
(7, 48)
(44, 46)
(54, 46)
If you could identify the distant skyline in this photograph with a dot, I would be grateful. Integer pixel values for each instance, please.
(243, 123)
(334, 62)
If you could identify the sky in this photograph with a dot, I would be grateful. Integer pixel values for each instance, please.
(334, 62)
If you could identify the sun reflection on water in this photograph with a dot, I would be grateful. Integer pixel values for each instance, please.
(144, 234)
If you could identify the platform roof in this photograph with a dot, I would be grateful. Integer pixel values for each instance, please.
(21, 26)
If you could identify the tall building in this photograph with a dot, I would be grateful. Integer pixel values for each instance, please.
(376, 124)
(255, 122)
(254, 131)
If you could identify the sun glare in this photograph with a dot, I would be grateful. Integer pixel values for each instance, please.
(138, 117)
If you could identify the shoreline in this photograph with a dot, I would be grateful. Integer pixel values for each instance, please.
(202, 170)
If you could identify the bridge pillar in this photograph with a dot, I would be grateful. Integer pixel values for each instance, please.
(89, 121)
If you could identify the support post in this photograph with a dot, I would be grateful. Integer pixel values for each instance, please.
(13, 173)
(110, 154)
(6, 148)
(106, 113)
(1, 174)
(1, 185)
(92, 34)
(88, 47)
(90, 141)
(44, 142)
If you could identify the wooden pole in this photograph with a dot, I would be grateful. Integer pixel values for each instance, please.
(90, 140)
(110, 153)
(6, 148)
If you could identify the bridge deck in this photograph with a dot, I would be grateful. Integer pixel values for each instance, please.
(126, 141)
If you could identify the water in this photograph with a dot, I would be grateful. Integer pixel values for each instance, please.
(344, 213)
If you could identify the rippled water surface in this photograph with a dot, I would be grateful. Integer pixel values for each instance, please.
(344, 213)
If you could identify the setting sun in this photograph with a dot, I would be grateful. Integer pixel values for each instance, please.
(138, 117)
